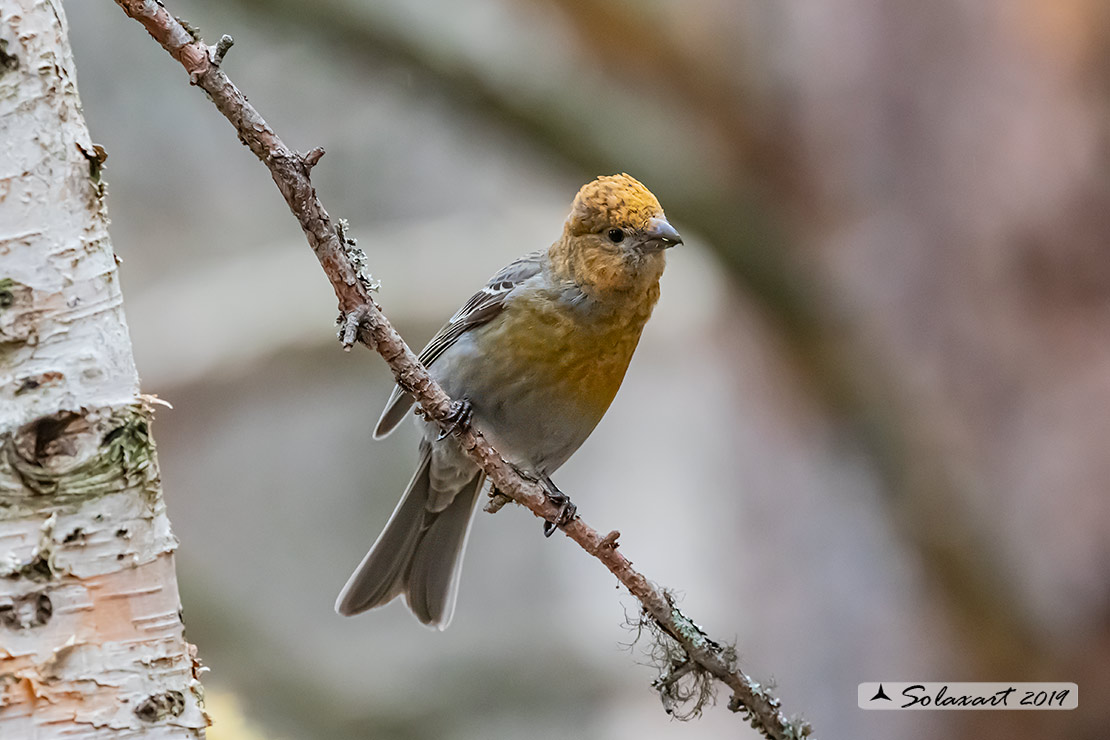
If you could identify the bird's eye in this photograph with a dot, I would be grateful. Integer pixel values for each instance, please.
(616, 236)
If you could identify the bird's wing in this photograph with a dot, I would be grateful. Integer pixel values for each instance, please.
(480, 309)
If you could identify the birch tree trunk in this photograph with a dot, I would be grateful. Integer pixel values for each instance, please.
(91, 639)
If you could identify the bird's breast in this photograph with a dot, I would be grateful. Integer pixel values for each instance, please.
(543, 372)
(579, 352)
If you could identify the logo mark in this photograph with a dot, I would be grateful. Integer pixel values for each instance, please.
(966, 695)
(880, 694)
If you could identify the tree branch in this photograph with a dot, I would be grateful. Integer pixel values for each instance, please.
(361, 316)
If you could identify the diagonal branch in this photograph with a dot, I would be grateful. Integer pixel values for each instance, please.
(363, 320)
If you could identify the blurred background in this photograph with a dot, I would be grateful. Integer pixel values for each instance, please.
(865, 434)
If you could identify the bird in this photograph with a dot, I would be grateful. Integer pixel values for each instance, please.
(533, 361)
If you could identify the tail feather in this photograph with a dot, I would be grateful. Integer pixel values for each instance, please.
(419, 553)
(433, 575)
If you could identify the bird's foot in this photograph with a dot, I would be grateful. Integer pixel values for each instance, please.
(567, 509)
(458, 419)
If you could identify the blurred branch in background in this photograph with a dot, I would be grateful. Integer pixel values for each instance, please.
(629, 95)
(693, 661)
(642, 48)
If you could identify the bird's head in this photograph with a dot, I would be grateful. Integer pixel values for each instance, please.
(615, 234)
(616, 212)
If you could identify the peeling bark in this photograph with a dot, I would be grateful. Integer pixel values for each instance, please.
(91, 639)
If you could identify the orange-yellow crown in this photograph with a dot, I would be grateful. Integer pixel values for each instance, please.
(612, 200)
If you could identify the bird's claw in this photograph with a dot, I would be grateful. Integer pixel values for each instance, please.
(567, 509)
(458, 419)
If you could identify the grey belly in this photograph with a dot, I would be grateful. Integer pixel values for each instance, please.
(518, 415)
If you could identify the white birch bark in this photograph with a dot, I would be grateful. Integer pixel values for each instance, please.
(91, 639)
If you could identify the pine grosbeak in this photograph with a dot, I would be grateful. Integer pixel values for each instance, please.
(537, 355)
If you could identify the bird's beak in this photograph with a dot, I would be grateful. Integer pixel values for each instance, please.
(659, 235)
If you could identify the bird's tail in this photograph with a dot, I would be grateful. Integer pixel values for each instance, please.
(419, 553)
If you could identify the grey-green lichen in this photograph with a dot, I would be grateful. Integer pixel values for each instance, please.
(7, 298)
(64, 459)
(356, 256)
(689, 630)
(685, 687)
(190, 29)
(793, 728)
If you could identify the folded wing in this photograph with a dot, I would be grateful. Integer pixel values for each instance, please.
(482, 307)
